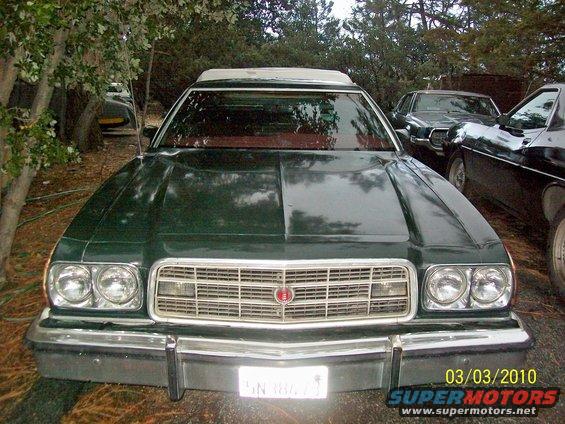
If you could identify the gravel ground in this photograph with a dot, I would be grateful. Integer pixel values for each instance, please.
(25, 398)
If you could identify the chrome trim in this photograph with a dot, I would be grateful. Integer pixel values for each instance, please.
(173, 368)
(495, 106)
(103, 320)
(395, 362)
(490, 156)
(437, 129)
(527, 168)
(412, 344)
(243, 263)
(426, 142)
(356, 90)
(417, 140)
(142, 322)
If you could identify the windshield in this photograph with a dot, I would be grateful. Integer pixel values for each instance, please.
(454, 104)
(277, 120)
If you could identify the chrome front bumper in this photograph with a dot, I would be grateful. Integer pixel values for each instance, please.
(184, 362)
(426, 142)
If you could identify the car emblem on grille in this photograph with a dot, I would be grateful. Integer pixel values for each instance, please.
(284, 295)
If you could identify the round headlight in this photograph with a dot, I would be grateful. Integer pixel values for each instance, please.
(488, 284)
(73, 283)
(446, 285)
(117, 284)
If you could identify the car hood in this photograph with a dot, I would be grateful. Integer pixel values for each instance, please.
(447, 120)
(178, 198)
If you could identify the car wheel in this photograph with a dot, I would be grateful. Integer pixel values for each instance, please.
(457, 173)
(556, 252)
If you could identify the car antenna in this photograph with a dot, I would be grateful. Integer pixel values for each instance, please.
(137, 129)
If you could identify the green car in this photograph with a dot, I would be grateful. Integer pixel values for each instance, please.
(275, 240)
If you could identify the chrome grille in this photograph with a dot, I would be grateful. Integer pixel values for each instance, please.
(246, 292)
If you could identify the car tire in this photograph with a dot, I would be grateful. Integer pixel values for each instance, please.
(556, 252)
(456, 173)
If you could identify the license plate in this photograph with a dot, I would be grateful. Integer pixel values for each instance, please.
(289, 383)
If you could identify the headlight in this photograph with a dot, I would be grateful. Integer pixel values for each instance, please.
(489, 285)
(467, 287)
(117, 284)
(437, 137)
(94, 286)
(73, 283)
(446, 285)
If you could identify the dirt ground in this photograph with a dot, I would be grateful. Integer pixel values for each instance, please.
(25, 397)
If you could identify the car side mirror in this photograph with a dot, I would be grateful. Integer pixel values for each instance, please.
(150, 131)
(403, 134)
(502, 120)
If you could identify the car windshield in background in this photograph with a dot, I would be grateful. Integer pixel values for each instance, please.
(277, 120)
(454, 104)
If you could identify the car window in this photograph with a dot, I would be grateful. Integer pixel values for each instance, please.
(277, 120)
(400, 103)
(453, 103)
(404, 107)
(535, 112)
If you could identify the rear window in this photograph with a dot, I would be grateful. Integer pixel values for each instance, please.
(277, 120)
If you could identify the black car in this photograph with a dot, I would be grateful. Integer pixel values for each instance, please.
(428, 115)
(519, 161)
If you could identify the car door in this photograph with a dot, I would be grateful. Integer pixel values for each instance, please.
(544, 163)
(500, 151)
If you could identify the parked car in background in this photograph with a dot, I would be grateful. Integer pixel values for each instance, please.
(118, 112)
(119, 90)
(276, 240)
(519, 161)
(427, 116)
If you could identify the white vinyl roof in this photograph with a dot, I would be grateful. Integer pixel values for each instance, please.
(302, 74)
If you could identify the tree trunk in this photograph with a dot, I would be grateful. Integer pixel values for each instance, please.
(423, 14)
(19, 187)
(8, 76)
(63, 111)
(45, 88)
(147, 86)
(11, 209)
(85, 121)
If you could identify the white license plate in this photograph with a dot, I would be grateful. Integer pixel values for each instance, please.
(290, 383)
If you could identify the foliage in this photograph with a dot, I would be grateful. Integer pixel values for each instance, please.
(388, 54)
(105, 42)
(108, 44)
(45, 150)
(387, 46)
(519, 37)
